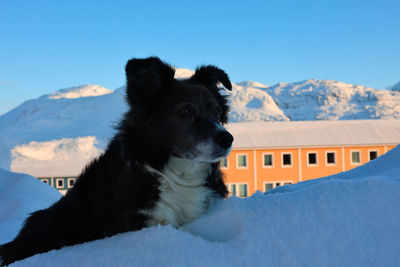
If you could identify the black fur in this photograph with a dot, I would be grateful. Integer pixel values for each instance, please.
(112, 189)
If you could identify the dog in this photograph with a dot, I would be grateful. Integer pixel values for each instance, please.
(162, 166)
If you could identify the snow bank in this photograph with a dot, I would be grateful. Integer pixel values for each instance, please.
(21, 194)
(348, 219)
(80, 91)
(64, 157)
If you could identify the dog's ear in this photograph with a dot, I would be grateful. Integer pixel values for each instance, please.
(210, 76)
(145, 78)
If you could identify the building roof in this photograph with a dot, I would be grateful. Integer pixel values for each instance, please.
(314, 133)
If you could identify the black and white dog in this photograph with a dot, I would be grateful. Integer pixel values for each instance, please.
(162, 167)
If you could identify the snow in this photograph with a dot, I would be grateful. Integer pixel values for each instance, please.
(183, 73)
(295, 134)
(20, 195)
(80, 91)
(324, 100)
(395, 87)
(64, 157)
(348, 219)
(95, 111)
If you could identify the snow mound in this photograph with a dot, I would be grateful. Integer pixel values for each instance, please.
(20, 195)
(348, 219)
(64, 157)
(80, 91)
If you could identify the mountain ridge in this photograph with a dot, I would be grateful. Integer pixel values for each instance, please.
(50, 119)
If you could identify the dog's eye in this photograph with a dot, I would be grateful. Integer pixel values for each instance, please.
(186, 111)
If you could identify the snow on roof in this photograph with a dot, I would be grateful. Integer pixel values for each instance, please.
(314, 133)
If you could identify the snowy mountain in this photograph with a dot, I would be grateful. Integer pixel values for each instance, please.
(348, 219)
(89, 113)
(80, 91)
(316, 100)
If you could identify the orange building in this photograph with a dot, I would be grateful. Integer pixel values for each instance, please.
(270, 154)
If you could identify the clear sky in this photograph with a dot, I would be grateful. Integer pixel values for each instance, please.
(49, 45)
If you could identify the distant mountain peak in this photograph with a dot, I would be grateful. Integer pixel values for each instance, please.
(80, 91)
(395, 87)
(183, 73)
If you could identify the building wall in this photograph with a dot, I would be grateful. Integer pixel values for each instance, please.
(277, 172)
(256, 174)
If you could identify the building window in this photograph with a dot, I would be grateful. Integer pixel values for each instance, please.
(286, 159)
(355, 157)
(373, 154)
(232, 189)
(241, 161)
(71, 182)
(224, 163)
(239, 190)
(242, 190)
(312, 158)
(60, 183)
(45, 181)
(271, 185)
(268, 160)
(330, 158)
(268, 186)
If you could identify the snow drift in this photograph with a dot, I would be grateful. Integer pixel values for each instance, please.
(21, 194)
(348, 219)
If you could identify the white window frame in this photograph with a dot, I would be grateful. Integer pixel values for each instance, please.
(291, 160)
(237, 161)
(351, 157)
(373, 150)
(274, 184)
(68, 182)
(45, 180)
(316, 159)
(229, 187)
(227, 164)
(237, 189)
(326, 158)
(63, 183)
(263, 162)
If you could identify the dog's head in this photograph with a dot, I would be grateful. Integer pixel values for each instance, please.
(181, 117)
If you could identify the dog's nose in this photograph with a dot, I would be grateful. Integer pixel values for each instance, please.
(224, 139)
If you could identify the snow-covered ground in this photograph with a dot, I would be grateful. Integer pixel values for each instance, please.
(348, 219)
(21, 194)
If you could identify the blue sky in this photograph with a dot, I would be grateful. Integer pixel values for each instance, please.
(49, 45)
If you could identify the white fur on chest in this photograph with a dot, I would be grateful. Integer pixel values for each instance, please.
(183, 196)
